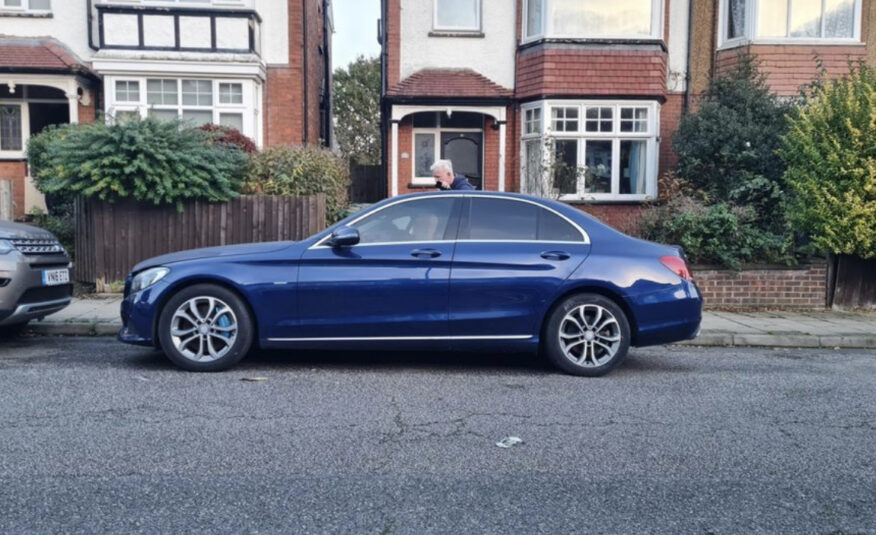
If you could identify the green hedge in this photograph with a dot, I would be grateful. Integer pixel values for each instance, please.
(152, 161)
(301, 170)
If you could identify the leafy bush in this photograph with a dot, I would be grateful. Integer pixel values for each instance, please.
(305, 170)
(734, 134)
(150, 161)
(62, 225)
(225, 135)
(720, 234)
(830, 152)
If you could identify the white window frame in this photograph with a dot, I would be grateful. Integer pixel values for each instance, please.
(547, 29)
(476, 29)
(436, 131)
(181, 3)
(651, 137)
(251, 121)
(25, 129)
(24, 7)
(750, 25)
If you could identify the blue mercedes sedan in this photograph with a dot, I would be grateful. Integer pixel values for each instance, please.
(433, 271)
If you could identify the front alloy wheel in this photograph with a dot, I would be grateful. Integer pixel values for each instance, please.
(587, 334)
(205, 328)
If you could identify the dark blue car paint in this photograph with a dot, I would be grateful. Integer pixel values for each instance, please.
(472, 289)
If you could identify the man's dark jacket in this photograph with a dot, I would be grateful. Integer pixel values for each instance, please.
(461, 183)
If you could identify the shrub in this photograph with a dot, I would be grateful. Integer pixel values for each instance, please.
(62, 225)
(734, 134)
(305, 170)
(225, 135)
(720, 234)
(830, 153)
(151, 161)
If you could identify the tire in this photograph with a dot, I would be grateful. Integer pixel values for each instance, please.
(571, 330)
(211, 335)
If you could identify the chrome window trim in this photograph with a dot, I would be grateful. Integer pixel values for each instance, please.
(584, 235)
(404, 338)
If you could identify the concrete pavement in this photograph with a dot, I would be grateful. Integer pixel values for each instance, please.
(99, 316)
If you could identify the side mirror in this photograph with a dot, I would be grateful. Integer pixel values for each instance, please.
(344, 237)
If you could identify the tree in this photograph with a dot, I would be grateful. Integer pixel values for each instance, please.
(830, 153)
(357, 110)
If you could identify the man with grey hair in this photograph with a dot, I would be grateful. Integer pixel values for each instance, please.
(442, 172)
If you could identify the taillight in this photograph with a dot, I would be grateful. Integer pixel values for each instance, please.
(677, 266)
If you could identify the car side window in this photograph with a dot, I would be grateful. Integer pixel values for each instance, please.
(552, 227)
(412, 221)
(501, 219)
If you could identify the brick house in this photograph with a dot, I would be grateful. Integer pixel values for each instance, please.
(261, 66)
(486, 83)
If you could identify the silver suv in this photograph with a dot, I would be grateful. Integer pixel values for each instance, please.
(34, 274)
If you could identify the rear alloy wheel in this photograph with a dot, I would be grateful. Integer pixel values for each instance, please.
(587, 334)
(205, 328)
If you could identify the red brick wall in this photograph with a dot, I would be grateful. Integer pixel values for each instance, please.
(670, 117)
(780, 288)
(284, 91)
(15, 171)
(624, 217)
(579, 71)
(788, 67)
(393, 42)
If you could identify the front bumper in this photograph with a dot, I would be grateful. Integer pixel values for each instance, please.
(139, 312)
(23, 297)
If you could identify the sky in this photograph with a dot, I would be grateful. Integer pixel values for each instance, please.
(355, 30)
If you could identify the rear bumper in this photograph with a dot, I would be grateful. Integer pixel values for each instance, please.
(669, 315)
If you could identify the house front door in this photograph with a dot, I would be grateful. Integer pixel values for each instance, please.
(465, 150)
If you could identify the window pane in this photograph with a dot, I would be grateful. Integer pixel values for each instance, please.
(633, 166)
(162, 92)
(839, 18)
(772, 18)
(462, 14)
(126, 116)
(564, 119)
(197, 92)
(163, 115)
(634, 120)
(128, 91)
(599, 18)
(425, 120)
(424, 154)
(565, 166)
(534, 17)
(12, 3)
(497, 219)
(735, 17)
(805, 18)
(41, 4)
(532, 121)
(424, 220)
(10, 128)
(233, 120)
(230, 93)
(462, 120)
(599, 119)
(552, 227)
(597, 159)
(197, 117)
(533, 174)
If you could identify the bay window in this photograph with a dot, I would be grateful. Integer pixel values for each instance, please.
(790, 20)
(196, 101)
(590, 150)
(593, 19)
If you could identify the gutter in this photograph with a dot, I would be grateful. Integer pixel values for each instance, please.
(304, 63)
(685, 107)
(90, 23)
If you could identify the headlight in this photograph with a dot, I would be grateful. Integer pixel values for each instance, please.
(147, 278)
(6, 246)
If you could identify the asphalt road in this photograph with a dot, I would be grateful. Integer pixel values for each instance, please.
(100, 437)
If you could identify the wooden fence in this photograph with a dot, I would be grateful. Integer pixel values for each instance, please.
(112, 238)
(852, 283)
(6, 203)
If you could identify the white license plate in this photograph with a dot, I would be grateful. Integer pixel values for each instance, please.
(54, 277)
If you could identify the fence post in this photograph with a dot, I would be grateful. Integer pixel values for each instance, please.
(6, 203)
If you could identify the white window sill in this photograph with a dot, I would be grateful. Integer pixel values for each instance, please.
(12, 155)
(606, 198)
(729, 45)
(27, 14)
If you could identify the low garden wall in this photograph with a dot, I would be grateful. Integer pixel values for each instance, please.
(112, 237)
(765, 287)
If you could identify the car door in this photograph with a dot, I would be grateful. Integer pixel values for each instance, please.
(392, 285)
(512, 256)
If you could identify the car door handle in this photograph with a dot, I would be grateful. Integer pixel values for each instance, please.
(425, 253)
(555, 255)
